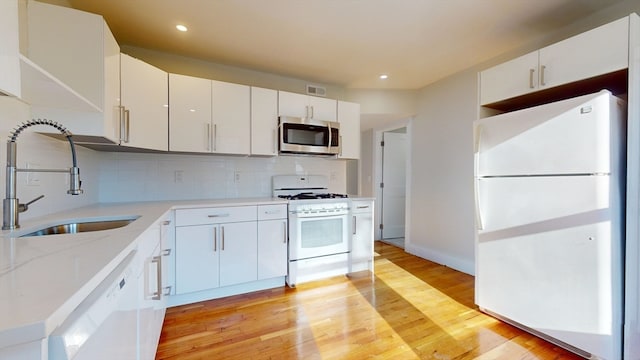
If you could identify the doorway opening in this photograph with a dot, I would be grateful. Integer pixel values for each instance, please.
(392, 155)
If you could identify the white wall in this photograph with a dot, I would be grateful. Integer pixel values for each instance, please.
(45, 152)
(146, 177)
(441, 206)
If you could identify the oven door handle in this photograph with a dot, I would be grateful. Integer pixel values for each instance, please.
(302, 215)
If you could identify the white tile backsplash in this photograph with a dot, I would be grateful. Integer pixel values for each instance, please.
(125, 177)
(146, 177)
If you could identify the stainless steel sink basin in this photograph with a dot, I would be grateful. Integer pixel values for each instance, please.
(82, 226)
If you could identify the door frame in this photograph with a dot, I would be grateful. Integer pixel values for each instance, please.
(377, 170)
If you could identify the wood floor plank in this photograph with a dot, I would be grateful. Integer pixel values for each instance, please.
(410, 309)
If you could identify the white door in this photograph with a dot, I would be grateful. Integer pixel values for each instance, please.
(144, 94)
(548, 256)
(272, 248)
(566, 137)
(231, 118)
(189, 113)
(394, 153)
(238, 253)
(197, 258)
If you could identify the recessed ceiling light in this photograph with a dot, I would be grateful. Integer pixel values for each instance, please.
(384, 76)
(181, 27)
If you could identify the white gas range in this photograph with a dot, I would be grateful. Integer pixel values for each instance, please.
(319, 227)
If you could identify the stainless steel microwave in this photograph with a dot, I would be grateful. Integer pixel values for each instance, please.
(308, 136)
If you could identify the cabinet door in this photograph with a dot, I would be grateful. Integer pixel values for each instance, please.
(323, 108)
(349, 119)
(151, 307)
(512, 78)
(362, 238)
(264, 121)
(9, 62)
(168, 253)
(272, 248)
(592, 53)
(197, 259)
(189, 113)
(143, 92)
(292, 104)
(231, 118)
(238, 253)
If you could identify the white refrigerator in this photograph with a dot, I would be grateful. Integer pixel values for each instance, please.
(549, 184)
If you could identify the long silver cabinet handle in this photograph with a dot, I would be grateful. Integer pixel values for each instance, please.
(127, 113)
(354, 225)
(208, 136)
(542, 69)
(284, 224)
(531, 72)
(222, 236)
(213, 138)
(122, 127)
(217, 215)
(215, 239)
(156, 295)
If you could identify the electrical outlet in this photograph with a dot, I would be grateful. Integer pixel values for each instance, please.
(177, 176)
(33, 178)
(236, 176)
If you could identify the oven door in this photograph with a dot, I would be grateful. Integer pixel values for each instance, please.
(299, 135)
(313, 235)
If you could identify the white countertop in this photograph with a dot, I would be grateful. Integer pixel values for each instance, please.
(44, 278)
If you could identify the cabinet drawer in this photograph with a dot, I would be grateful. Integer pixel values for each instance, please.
(269, 212)
(216, 215)
(361, 206)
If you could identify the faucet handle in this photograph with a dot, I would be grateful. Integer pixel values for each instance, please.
(25, 207)
(75, 183)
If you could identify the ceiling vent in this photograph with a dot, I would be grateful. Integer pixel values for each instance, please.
(316, 90)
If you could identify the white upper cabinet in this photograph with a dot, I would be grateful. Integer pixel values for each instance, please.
(349, 119)
(189, 113)
(144, 104)
(306, 106)
(70, 46)
(9, 45)
(231, 118)
(264, 121)
(510, 79)
(70, 70)
(208, 116)
(599, 51)
(596, 52)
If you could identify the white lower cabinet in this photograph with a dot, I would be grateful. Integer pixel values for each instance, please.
(215, 247)
(151, 302)
(272, 241)
(362, 235)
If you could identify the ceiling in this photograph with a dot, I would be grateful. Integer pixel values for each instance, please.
(343, 42)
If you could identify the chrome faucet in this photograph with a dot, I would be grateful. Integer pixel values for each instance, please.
(11, 207)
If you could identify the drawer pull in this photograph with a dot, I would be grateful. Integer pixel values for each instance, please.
(166, 252)
(362, 207)
(218, 215)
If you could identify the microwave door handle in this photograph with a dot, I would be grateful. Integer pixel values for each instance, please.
(329, 144)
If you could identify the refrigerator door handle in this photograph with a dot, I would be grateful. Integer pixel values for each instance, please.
(479, 222)
(476, 182)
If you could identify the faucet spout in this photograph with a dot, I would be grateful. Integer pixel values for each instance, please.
(10, 205)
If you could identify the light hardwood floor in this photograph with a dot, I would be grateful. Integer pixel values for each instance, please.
(410, 309)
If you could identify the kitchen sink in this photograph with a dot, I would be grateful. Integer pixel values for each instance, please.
(82, 226)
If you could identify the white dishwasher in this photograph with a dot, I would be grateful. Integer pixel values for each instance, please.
(104, 325)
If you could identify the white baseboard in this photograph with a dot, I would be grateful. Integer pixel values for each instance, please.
(463, 265)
